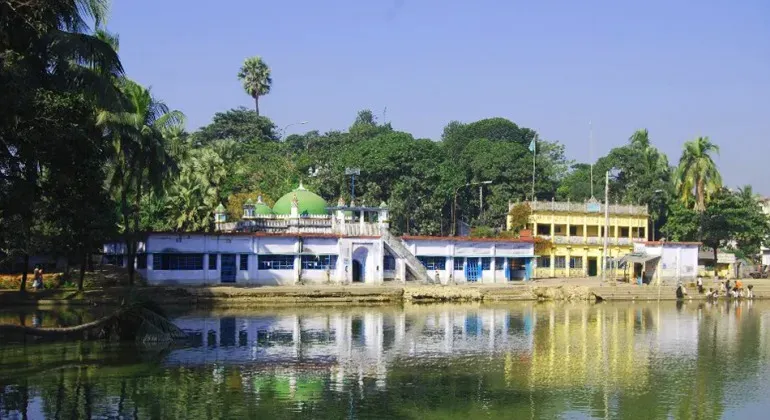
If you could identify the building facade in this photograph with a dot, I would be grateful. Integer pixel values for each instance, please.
(571, 235)
(301, 240)
(659, 262)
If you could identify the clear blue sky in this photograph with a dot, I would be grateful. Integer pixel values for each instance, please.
(679, 68)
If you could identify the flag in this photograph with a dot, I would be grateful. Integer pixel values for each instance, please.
(532, 146)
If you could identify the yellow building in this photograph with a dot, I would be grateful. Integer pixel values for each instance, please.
(573, 235)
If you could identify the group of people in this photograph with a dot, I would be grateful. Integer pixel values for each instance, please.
(727, 289)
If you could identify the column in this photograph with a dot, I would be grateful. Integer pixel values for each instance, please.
(362, 221)
(585, 230)
(552, 256)
(569, 226)
(567, 260)
(297, 268)
(534, 228)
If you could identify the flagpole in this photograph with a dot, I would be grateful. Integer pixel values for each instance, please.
(534, 155)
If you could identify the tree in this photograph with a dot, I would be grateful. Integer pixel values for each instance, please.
(697, 177)
(240, 125)
(46, 49)
(194, 194)
(682, 223)
(255, 76)
(140, 157)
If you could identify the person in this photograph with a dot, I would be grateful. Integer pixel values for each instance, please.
(739, 286)
(681, 292)
(699, 283)
(727, 285)
(37, 282)
(750, 292)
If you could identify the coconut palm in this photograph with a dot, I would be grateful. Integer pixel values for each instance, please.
(45, 46)
(140, 156)
(255, 76)
(697, 175)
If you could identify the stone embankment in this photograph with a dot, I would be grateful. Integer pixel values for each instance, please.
(222, 296)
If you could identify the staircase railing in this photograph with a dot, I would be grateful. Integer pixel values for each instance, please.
(398, 247)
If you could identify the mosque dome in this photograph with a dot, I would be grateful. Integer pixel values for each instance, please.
(308, 203)
(261, 208)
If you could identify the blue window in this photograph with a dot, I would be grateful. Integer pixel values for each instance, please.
(433, 263)
(319, 262)
(276, 262)
(544, 261)
(486, 263)
(183, 262)
(458, 263)
(212, 261)
(244, 262)
(388, 262)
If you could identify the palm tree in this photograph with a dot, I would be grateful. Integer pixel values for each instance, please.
(255, 76)
(140, 155)
(697, 175)
(47, 45)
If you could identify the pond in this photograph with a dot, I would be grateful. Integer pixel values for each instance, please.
(635, 361)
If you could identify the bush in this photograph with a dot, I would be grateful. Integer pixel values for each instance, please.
(483, 232)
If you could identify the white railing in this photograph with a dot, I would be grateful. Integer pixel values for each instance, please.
(591, 240)
(587, 207)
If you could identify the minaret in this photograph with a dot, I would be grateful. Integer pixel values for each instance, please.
(295, 205)
(220, 216)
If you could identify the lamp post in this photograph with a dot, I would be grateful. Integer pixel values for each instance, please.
(283, 132)
(454, 203)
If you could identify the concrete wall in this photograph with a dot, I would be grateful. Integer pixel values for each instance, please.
(677, 261)
(452, 250)
(250, 247)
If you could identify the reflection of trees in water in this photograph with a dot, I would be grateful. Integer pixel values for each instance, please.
(604, 359)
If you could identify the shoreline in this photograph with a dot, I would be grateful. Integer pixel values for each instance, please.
(389, 294)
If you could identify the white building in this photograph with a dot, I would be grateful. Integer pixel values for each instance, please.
(663, 261)
(302, 240)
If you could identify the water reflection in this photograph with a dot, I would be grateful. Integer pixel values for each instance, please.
(528, 360)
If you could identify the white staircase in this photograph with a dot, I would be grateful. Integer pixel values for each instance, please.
(400, 250)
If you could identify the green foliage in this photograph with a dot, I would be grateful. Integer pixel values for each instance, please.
(239, 124)
(255, 76)
(682, 223)
(483, 232)
(697, 177)
(519, 217)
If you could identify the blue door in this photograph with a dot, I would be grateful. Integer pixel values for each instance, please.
(472, 269)
(227, 268)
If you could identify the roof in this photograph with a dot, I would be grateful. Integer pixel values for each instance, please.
(257, 234)
(307, 202)
(637, 257)
(467, 239)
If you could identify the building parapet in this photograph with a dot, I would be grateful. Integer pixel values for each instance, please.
(591, 240)
(586, 207)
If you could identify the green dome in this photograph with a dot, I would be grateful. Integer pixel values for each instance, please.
(308, 203)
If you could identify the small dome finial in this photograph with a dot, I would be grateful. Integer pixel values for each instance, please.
(301, 187)
(259, 199)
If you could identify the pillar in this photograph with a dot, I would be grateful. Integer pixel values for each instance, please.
(362, 220)
(553, 261)
(534, 229)
(567, 261)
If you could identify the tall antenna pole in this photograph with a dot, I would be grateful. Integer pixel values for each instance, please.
(591, 154)
(533, 148)
(606, 223)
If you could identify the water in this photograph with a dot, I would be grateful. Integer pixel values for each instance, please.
(635, 361)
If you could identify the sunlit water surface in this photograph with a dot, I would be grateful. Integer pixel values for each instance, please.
(519, 361)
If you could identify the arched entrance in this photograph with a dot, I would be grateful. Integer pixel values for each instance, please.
(360, 264)
(357, 273)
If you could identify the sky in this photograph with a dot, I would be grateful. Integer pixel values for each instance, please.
(679, 68)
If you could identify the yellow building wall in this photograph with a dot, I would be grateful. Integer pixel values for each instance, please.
(586, 243)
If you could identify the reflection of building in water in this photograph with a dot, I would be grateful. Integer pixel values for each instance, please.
(349, 345)
(582, 346)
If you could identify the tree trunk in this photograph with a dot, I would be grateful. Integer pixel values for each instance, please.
(84, 261)
(700, 195)
(126, 226)
(256, 104)
(55, 332)
(132, 251)
(715, 263)
(23, 285)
